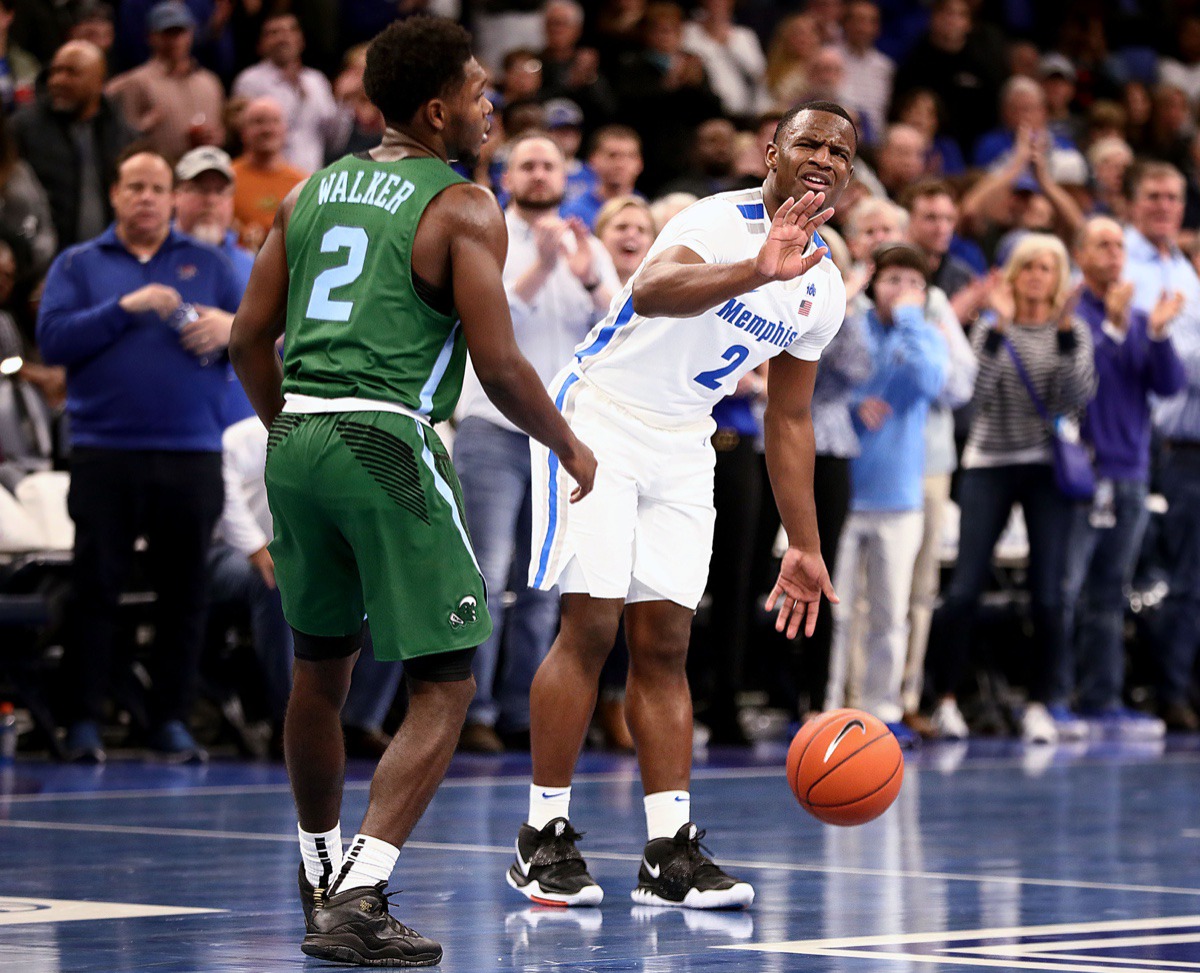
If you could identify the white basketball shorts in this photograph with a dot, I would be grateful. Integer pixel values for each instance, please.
(645, 531)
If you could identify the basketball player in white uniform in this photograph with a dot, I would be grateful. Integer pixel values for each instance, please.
(732, 281)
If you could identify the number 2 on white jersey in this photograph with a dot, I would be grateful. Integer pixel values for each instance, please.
(320, 306)
(735, 355)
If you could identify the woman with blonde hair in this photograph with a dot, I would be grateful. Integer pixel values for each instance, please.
(626, 227)
(793, 47)
(1008, 460)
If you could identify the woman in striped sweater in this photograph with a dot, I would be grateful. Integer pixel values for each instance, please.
(1008, 460)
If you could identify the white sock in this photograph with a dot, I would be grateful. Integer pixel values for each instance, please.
(368, 862)
(546, 804)
(667, 812)
(322, 854)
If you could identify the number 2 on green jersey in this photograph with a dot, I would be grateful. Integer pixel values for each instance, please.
(320, 306)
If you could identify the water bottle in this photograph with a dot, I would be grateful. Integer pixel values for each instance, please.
(8, 733)
(181, 317)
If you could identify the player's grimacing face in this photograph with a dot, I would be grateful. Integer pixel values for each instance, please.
(815, 153)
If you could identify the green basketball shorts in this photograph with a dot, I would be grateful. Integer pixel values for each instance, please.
(368, 518)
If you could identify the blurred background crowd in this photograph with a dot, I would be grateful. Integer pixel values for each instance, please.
(1019, 245)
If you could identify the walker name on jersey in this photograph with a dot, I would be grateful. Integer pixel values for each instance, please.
(384, 191)
(774, 332)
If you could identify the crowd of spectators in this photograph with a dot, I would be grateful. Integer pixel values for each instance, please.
(1019, 244)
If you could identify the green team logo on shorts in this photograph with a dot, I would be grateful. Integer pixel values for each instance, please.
(466, 613)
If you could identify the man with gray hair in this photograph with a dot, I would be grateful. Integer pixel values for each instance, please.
(1156, 266)
(570, 70)
(1022, 106)
(901, 159)
(1135, 358)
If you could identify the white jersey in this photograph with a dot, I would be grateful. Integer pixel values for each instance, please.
(672, 371)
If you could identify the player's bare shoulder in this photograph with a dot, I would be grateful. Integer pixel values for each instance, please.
(469, 209)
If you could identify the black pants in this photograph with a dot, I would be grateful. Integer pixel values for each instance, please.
(173, 499)
(831, 493)
(719, 651)
(808, 666)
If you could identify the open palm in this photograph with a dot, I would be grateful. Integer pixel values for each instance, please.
(782, 254)
(803, 579)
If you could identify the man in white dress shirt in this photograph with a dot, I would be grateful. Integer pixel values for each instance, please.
(316, 123)
(559, 280)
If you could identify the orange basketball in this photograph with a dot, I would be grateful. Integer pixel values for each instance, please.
(845, 767)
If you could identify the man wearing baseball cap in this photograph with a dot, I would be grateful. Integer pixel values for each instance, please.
(204, 182)
(173, 102)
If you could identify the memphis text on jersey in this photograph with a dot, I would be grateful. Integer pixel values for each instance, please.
(381, 192)
(773, 332)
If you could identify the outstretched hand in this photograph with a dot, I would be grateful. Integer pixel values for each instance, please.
(803, 578)
(782, 254)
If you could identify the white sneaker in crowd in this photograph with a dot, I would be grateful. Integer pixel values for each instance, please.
(949, 722)
(1037, 725)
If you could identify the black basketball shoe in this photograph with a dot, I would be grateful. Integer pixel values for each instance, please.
(355, 927)
(549, 869)
(675, 872)
(310, 897)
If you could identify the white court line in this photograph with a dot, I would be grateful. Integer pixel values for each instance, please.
(861, 948)
(522, 780)
(943, 961)
(1155, 964)
(1112, 943)
(506, 850)
(230, 790)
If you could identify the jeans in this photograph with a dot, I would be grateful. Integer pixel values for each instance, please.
(173, 499)
(233, 579)
(885, 543)
(986, 497)
(1100, 563)
(1181, 608)
(494, 468)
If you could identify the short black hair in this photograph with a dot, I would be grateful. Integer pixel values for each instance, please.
(413, 61)
(832, 107)
(899, 253)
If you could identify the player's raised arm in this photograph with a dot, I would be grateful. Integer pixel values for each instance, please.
(679, 283)
(260, 320)
(478, 245)
(791, 450)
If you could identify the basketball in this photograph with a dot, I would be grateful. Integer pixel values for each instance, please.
(845, 767)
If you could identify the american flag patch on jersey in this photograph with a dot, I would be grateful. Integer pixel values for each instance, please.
(805, 308)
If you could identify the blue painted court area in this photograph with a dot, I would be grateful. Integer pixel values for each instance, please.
(995, 856)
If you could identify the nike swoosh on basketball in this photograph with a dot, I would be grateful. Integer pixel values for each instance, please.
(654, 870)
(842, 735)
(521, 862)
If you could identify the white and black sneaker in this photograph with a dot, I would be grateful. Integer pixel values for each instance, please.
(676, 872)
(549, 869)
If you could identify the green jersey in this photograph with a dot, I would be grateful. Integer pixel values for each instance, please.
(356, 327)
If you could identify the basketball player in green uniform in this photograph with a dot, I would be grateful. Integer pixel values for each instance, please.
(385, 268)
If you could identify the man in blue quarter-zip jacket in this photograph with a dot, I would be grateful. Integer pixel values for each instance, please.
(126, 313)
(884, 529)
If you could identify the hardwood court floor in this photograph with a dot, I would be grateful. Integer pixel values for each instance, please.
(1076, 858)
